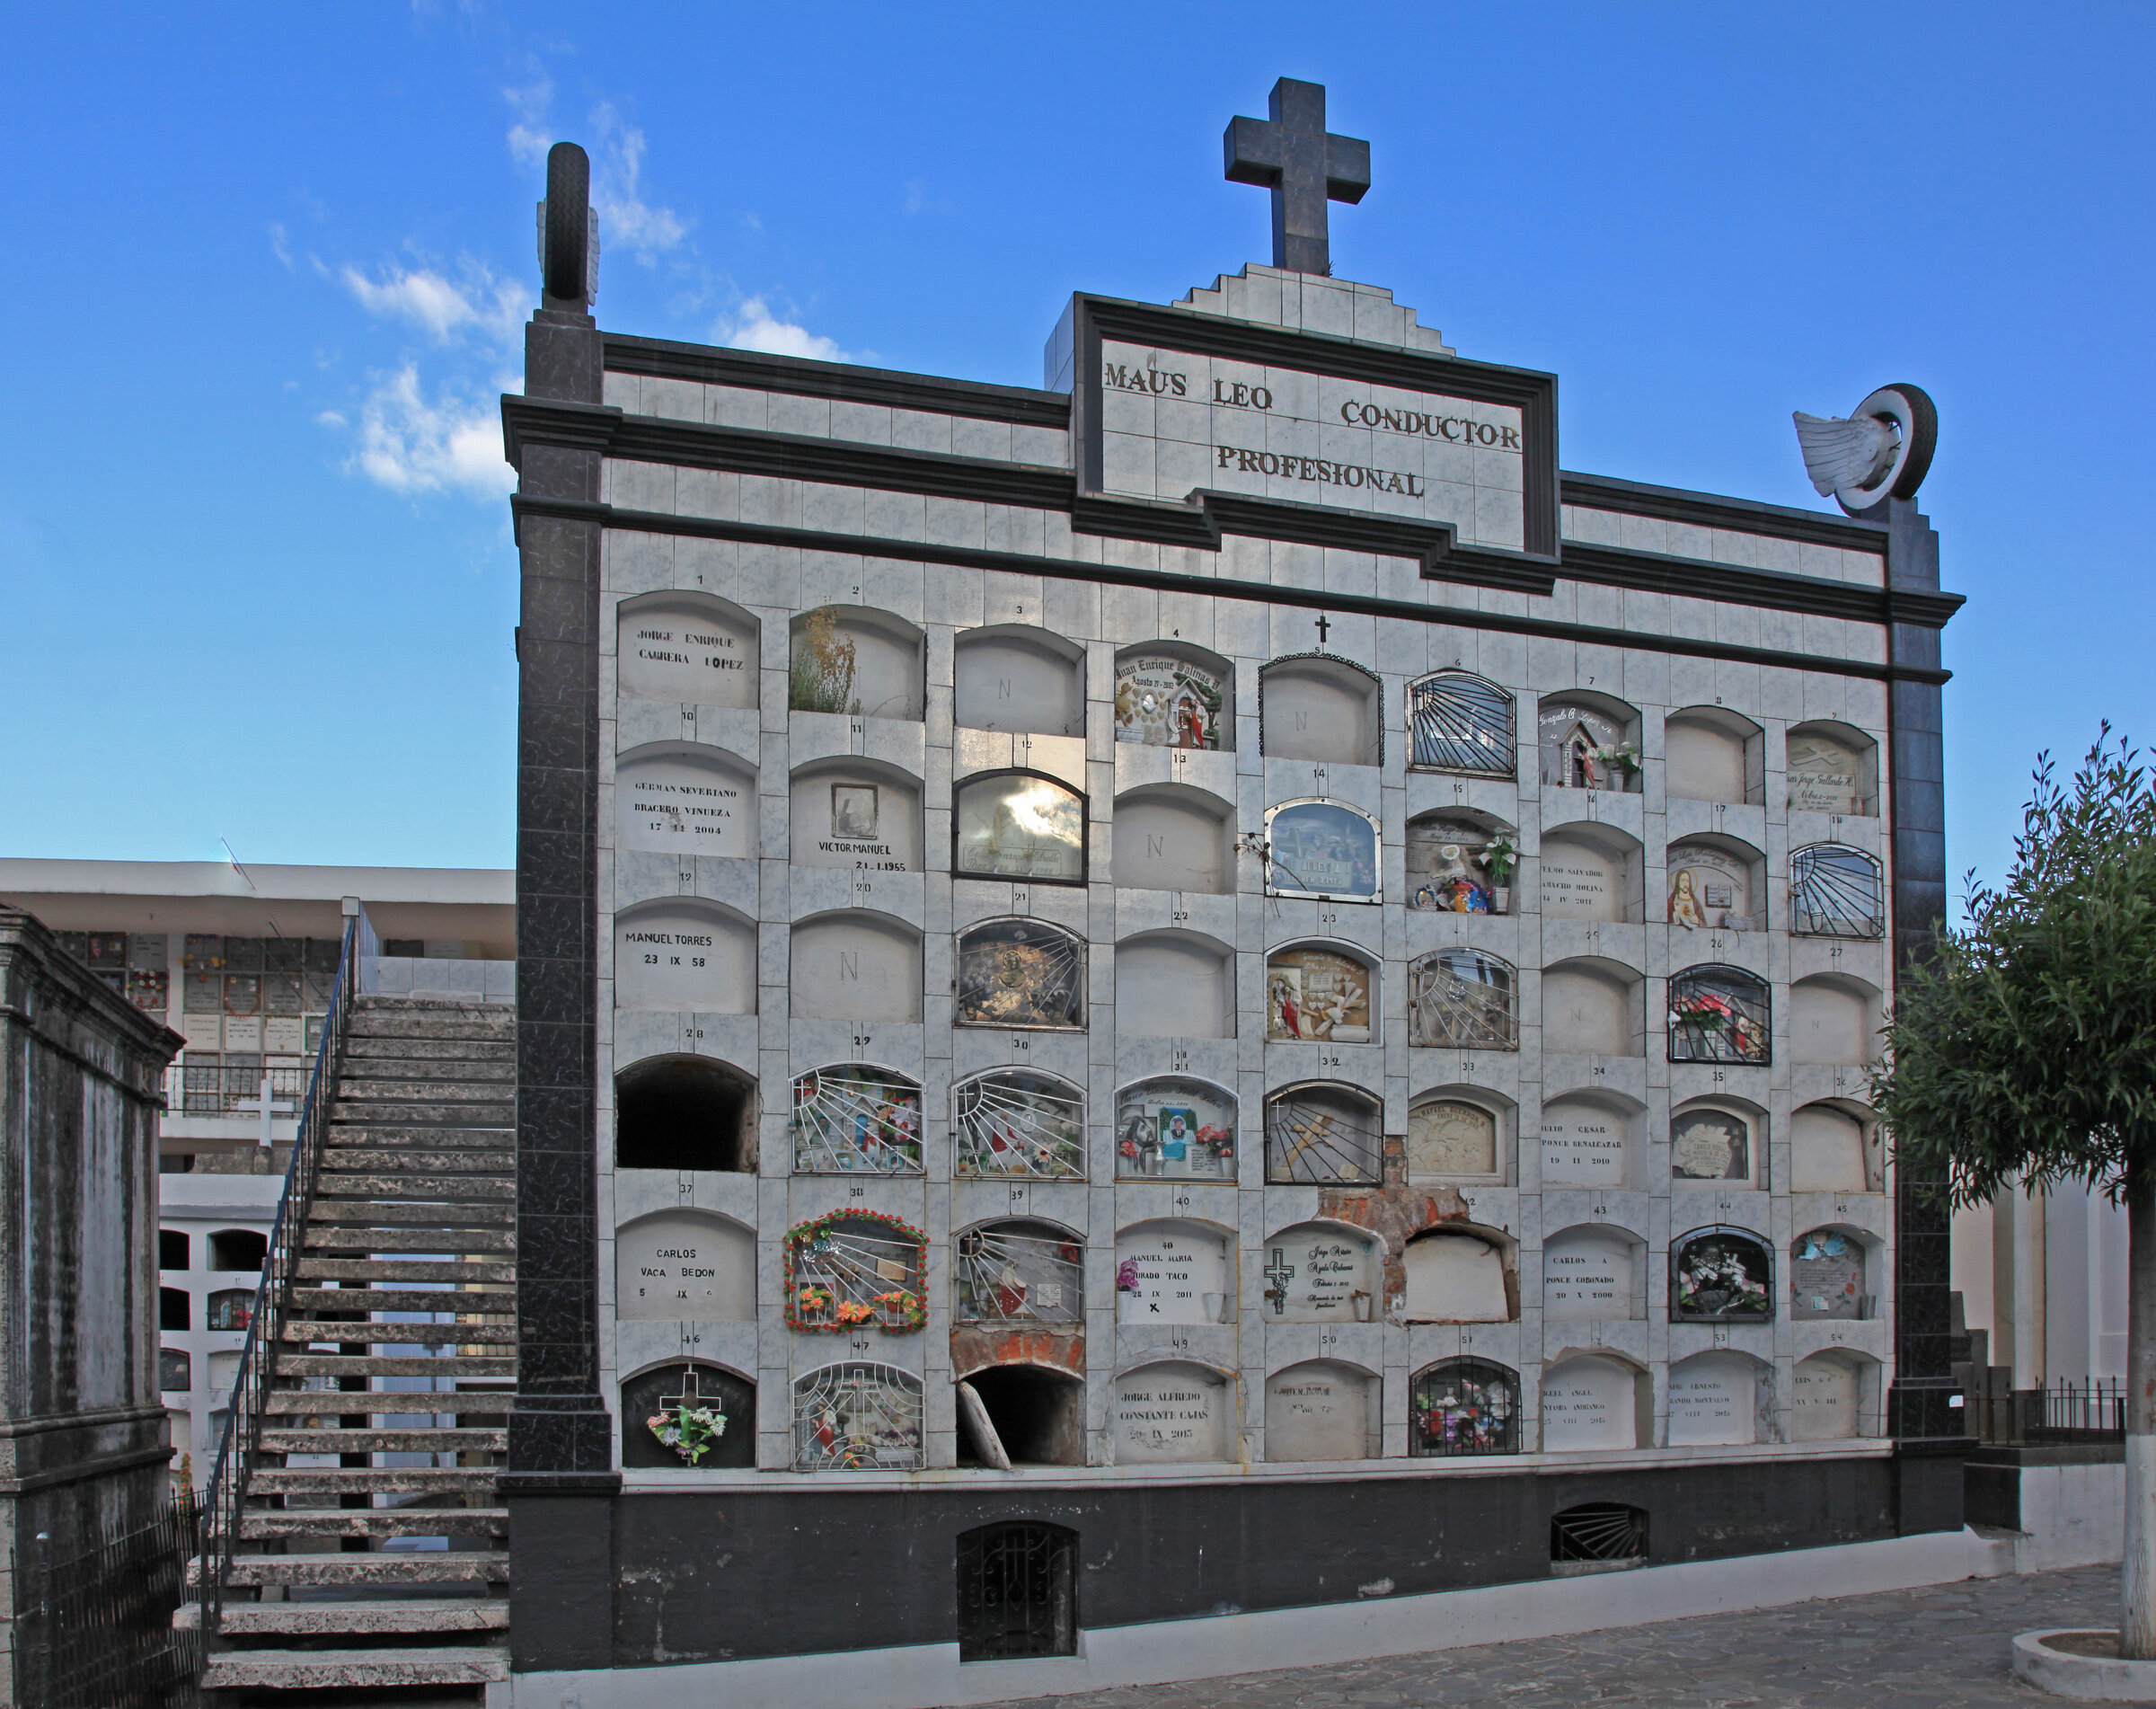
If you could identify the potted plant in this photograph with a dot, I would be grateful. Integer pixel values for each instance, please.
(899, 1308)
(1622, 761)
(811, 1300)
(1500, 858)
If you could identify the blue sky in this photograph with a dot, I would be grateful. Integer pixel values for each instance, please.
(270, 264)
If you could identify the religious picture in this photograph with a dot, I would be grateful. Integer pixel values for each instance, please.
(1182, 1129)
(1317, 995)
(1464, 1000)
(1021, 973)
(1721, 1275)
(1709, 1144)
(857, 1416)
(855, 1120)
(1825, 777)
(1708, 891)
(1167, 703)
(1018, 826)
(1582, 748)
(853, 811)
(1321, 848)
(1826, 1275)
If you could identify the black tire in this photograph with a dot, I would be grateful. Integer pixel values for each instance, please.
(567, 220)
(1923, 416)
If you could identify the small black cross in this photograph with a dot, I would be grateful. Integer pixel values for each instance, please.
(1305, 165)
(1324, 627)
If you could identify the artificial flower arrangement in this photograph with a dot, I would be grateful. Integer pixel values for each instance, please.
(1500, 857)
(899, 1305)
(1623, 759)
(1719, 1283)
(812, 1301)
(689, 1431)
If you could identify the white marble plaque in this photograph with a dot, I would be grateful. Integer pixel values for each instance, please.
(685, 651)
(1172, 1413)
(1587, 1275)
(686, 804)
(1713, 1398)
(1446, 1137)
(866, 822)
(1826, 1151)
(678, 956)
(1172, 839)
(1583, 1145)
(1170, 1272)
(855, 967)
(1587, 1012)
(1579, 881)
(1824, 776)
(1317, 1412)
(283, 1035)
(1312, 1275)
(1822, 1403)
(1456, 1279)
(1588, 1403)
(683, 1264)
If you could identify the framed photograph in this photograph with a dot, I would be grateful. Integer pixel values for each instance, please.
(853, 811)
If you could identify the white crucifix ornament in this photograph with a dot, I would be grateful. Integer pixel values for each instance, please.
(265, 1105)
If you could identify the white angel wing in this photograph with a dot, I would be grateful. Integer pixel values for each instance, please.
(1842, 456)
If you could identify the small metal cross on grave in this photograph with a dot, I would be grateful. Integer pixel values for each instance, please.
(264, 1104)
(1279, 1273)
(1304, 164)
(688, 1397)
(1324, 627)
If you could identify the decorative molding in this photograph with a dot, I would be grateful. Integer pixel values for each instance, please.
(1707, 510)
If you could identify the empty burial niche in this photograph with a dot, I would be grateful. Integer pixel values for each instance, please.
(674, 801)
(1831, 769)
(1715, 884)
(174, 1309)
(1590, 872)
(1172, 695)
(692, 957)
(1832, 1150)
(689, 647)
(1319, 1410)
(1174, 985)
(856, 814)
(684, 1112)
(684, 1266)
(1017, 678)
(1588, 1140)
(1596, 1536)
(849, 658)
(1593, 1008)
(1457, 1279)
(1171, 837)
(1833, 1018)
(1320, 708)
(855, 966)
(172, 1249)
(1711, 754)
(238, 1249)
(1587, 741)
(1716, 1399)
(1037, 1416)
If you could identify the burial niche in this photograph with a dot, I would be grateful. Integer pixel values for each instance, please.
(1588, 1276)
(1019, 1272)
(1462, 1000)
(1324, 1133)
(1018, 1592)
(1589, 1402)
(1592, 1008)
(1176, 1128)
(1034, 1415)
(1833, 1019)
(1826, 1275)
(854, 1271)
(693, 1415)
(1460, 722)
(174, 1309)
(172, 1249)
(1713, 1398)
(229, 1308)
(1020, 973)
(1589, 873)
(1586, 1142)
(1018, 1122)
(1320, 708)
(1169, 837)
(858, 815)
(855, 1120)
(854, 965)
(1824, 1398)
(1318, 1410)
(1711, 754)
(1710, 1140)
(1173, 1272)
(1718, 1013)
(1832, 769)
(686, 956)
(694, 648)
(684, 1265)
(1169, 695)
(246, 1249)
(1172, 1411)
(857, 1416)
(684, 1112)
(1721, 1275)
(1463, 1406)
(1320, 1273)
(1317, 995)
(1457, 865)
(1588, 741)
(1452, 1139)
(1174, 985)
(847, 658)
(176, 1369)
(1017, 678)
(1829, 1150)
(1716, 886)
(673, 802)
(1836, 892)
(1456, 1279)
(1019, 825)
(1324, 849)
(1594, 1535)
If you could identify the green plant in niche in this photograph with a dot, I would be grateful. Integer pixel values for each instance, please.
(821, 677)
(1501, 859)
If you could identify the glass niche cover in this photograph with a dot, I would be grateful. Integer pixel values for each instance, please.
(1019, 825)
(1321, 849)
(1021, 973)
(1167, 703)
(1720, 1276)
(1316, 995)
(1177, 1129)
(1708, 1144)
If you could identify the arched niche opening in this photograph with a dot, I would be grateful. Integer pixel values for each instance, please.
(1715, 884)
(1021, 1415)
(858, 814)
(688, 1415)
(1020, 972)
(1595, 1537)
(1463, 999)
(676, 800)
(1720, 1013)
(684, 954)
(1176, 1127)
(1019, 1271)
(689, 1266)
(851, 660)
(1017, 1591)
(1322, 993)
(1458, 1277)
(1170, 837)
(1593, 1274)
(854, 1119)
(684, 1112)
(1173, 1272)
(175, 1370)
(176, 1310)
(1593, 1008)
(1173, 1410)
(1836, 892)
(1317, 707)
(691, 647)
(1719, 1398)
(1590, 1139)
(1462, 1134)
(1587, 740)
(1174, 985)
(1830, 1274)
(1169, 693)
(1018, 825)
(246, 1249)
(1591, 1401)
(1834, 1018)
(1324, 1133)
(856, 965)
(1019, 1123)
(1018, 677)
(854, 1272)
(1458, 721)
(229, 1309)
(1321, 1409)
(1320, 1273)
(1833, 1397)
(1463, 1406)
(1721, 1141)
(1721, 1275)
(1461, 862)
(172, 1249)
(1589, 872)
(1324, 849)
(857, 1416)
(1831, 769)
(1711, 754)
(1835, 1147)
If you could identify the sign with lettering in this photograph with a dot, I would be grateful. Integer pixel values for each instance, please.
(1588, 1403)
(1172, 1413)
(681, 651)
(1317, 1275)
(1317, 1412)
(1712, 1399)
(1825, 775)
(687, 1265)
(1448, 1137)
(686, 804)
(1822, 1403)
(1587, 1274)
(1583, 1145)
(677, 955)
(1170, 1272)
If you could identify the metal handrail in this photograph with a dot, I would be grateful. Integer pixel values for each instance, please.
(223, 1505)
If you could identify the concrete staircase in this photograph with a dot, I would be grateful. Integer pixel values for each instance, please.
(375, 1554)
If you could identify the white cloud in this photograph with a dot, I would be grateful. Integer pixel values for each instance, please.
(278, 247)
(528, 140)
(753, 327)
(443, 309)
(411, 446)
(626, 221)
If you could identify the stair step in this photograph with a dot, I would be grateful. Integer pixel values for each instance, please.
(407, 1065)
(314, 1300)
(398, 1213)
(346, 1130)
(398, 1188)
(381, 1403)
(446, 1441)
(373, 1669)
(466, 1160)
(425, 1046)
(449, 1364)
(314, 1267)
(495, 1113)
(305, 1332)
(370, 1479)
(424, 1613)
(404, 1566)
(425, 1240)
(374, 1521)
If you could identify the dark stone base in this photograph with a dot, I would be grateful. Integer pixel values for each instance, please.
(1992, 1475)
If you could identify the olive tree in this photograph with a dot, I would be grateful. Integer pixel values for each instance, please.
(2024, 1055)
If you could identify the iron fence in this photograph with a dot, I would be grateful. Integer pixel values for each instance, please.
(96, 1630)
(214, 1083)
(2094, 1406)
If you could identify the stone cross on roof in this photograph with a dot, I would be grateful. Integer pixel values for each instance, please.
(1304, 164)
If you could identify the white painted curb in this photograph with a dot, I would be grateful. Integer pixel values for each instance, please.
(2063, 1674)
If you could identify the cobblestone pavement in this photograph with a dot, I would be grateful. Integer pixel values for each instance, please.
(1943, 1647)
